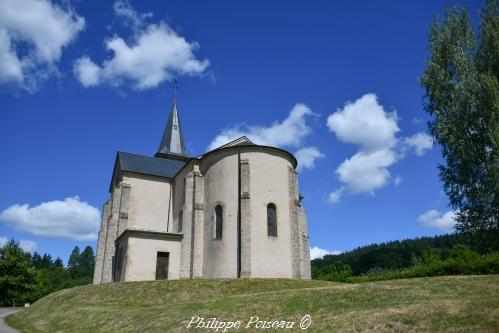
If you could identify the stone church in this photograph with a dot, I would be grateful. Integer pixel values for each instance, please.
(232, 212)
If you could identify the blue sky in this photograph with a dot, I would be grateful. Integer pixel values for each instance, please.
(337, 80)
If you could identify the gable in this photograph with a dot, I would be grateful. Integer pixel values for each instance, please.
(242, 141)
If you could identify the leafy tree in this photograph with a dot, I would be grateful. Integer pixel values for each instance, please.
(406, 253)
(430, 257)
(74, 262)
(59, 278)
(25, 278)
(462, 96)
(17, 278)
(337, 271)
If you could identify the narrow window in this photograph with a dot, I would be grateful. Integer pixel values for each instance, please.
(162, 261)
(119, 259)
(180, 219)
(271, 220)
(218, 221)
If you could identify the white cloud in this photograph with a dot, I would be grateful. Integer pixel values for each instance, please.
(87, 71)
(10, 65)
(366, 124)
(32, 36)
(25, 244)
(434, 219)
(3, 240)
(155, 53)
(131, 17)
(366, 172)
(306, 157)
(69, 218)
(335, 196)
(291, 132)
(28, 245)
(397, 180)
(419, 143)
(316, 252)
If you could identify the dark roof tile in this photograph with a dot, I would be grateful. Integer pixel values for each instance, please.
(149, 165)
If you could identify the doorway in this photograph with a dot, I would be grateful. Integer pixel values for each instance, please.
(162, 262)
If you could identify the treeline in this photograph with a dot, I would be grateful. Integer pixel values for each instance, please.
(425, 256)
(24, 278)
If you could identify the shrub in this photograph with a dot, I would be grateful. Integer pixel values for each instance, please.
(461, 261)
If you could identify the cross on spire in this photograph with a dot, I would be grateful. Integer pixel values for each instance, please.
(172, 141)
(175, 86)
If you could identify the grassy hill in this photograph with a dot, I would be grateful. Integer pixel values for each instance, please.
(436, 304)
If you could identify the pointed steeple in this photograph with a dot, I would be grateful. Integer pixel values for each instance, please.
(172, 142)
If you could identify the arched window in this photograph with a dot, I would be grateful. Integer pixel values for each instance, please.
(219, 213)
(271, 220)
(180, 220)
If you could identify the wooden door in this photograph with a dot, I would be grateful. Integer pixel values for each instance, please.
(162, 262)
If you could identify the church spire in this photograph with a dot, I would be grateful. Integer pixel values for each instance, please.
(173, 140)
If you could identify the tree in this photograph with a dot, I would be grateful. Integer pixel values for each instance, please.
(336, 271)
(17, 279)
(58, 263)
(74, 263)
(25, 278)
(87, 262)
(59, 278)
(46, 262)
(462, 96)
(36, 260)
(81, 266)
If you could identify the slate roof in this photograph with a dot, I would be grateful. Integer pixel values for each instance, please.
(169, 164)
(241, 141)
(148, 165)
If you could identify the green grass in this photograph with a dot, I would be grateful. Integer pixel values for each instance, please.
(434, 304)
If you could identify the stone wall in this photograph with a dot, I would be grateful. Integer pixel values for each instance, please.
(150, 203)
(187, 245)
(220, 188)
(245, 167)
(305, 272)
(264, 179)
(198, 224)
(294, 223)
(271, 257)
(141, 258)
(101, 242)
(112, 230)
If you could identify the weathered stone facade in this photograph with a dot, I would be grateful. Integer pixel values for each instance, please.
(167, 204)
